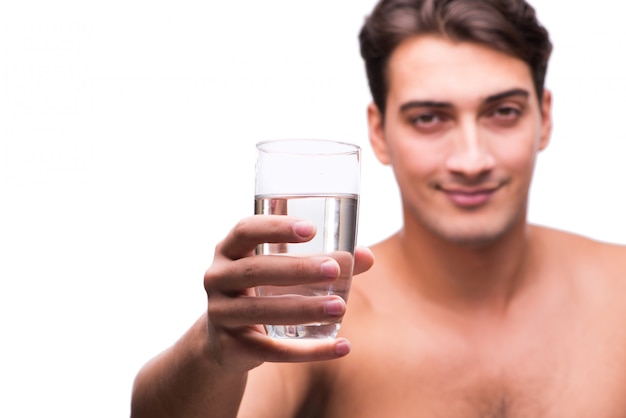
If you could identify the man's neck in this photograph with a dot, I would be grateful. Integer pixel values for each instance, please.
(485, 277)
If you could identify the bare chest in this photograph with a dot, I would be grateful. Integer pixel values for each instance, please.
(579, 373)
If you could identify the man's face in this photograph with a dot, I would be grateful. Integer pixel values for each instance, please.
(461, 130)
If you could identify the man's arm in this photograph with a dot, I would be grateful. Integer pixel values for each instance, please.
(184, 381)
(205, 372)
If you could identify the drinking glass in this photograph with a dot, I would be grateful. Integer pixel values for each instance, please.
(319, 181)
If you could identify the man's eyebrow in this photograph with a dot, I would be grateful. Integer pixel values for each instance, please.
(424, 103)
(446, 105)
(507, 94)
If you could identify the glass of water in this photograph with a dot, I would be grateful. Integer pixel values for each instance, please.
(318, 181)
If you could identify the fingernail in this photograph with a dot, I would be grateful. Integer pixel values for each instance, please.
(334, 307)
(304, 229)
(342, 347)
(330, 269)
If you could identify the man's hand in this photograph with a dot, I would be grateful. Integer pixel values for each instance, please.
(236, 339)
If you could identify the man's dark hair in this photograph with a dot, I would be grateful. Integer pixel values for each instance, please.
(509, 26)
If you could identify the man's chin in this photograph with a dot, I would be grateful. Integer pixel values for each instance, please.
(475, 241)
(473, 237)
(477, 231)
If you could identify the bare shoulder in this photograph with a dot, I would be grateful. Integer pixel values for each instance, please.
(596, 264)
(375, 283)
(579, 249)
(276, 390)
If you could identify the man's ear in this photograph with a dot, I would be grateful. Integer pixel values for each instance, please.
(376, 132)
(546, 119)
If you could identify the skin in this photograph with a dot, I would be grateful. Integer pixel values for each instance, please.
(468, 310)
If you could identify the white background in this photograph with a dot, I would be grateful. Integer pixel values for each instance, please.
(127, 132)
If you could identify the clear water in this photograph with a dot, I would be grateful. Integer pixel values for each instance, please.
(336, 219)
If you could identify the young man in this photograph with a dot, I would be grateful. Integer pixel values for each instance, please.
(469, 311)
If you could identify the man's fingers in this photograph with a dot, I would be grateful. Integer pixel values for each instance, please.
(296, 350)
(244, 311)
(279, 270)
(363, 259)
(258, 229)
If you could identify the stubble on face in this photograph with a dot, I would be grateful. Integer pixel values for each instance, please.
(466, 234)
(457, 86)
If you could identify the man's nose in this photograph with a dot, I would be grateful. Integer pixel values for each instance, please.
(469, 154)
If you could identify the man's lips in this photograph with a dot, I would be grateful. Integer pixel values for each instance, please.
(469, 197)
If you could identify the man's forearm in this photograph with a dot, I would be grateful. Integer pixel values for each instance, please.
(183, 382)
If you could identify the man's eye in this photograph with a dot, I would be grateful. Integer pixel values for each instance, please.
(506, 112)
(427, 119)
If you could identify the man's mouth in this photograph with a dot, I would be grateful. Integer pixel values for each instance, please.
(469, 197)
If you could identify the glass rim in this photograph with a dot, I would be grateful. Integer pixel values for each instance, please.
(334, 147)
